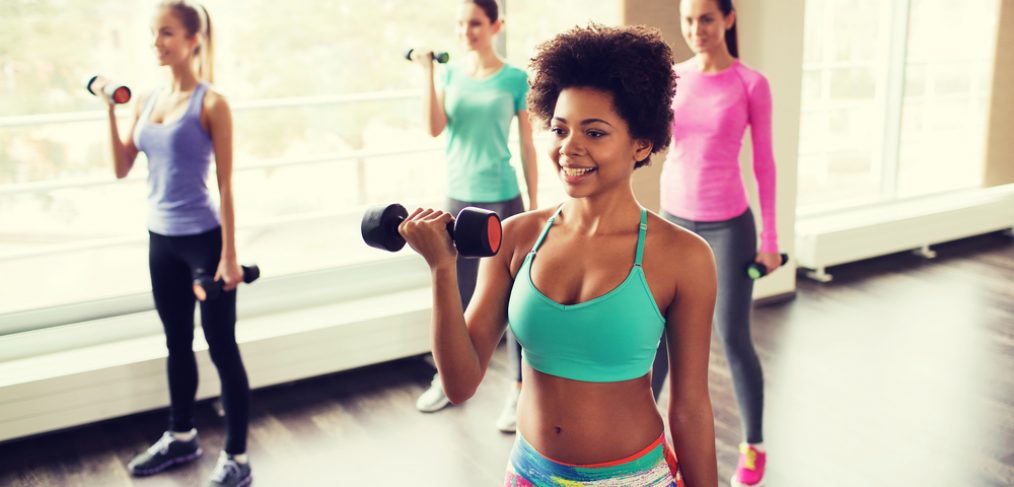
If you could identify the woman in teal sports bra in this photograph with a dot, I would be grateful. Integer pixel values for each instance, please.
(589, 287)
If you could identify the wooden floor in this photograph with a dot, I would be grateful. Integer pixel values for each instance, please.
(898, 373)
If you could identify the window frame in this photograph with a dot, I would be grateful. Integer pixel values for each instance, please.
(891, 65)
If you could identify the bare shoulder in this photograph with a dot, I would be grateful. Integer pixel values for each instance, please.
(526, 225)
(520, 232)
(215, 101)
(529, 217)
(680, 251)
(215, 111)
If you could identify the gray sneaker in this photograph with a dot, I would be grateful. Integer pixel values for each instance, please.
(166, 452)
(230, 473)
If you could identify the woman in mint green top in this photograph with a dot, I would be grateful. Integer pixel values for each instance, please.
(475, 102)
(591, 286)
(479, 114)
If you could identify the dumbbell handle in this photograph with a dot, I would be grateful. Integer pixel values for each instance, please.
(205, 288)
(441, 57)
(756, 270)
(397, 223)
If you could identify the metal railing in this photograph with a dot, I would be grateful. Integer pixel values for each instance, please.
(18, 121)
(99, 181)
(276, 103)
(46, 186)
(101, 243)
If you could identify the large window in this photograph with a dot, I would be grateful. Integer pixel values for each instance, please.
(327, 121)
(894, 99)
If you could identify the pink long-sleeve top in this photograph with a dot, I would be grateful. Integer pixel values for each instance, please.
(701, 178)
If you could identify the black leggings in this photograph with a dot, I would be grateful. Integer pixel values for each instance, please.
(734, 243)
(172, 261)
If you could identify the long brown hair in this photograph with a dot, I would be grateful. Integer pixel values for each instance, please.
(196, 21)
(489, 7)
(730, 34)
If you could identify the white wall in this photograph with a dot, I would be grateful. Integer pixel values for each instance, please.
(999, 143)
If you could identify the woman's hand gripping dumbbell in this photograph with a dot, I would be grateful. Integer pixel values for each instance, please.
(756, 270)
(206, 288)
(474, 232)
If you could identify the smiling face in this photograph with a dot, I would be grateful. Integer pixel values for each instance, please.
(474, 28)
(592, 148)
(170, 40)
(703, 25)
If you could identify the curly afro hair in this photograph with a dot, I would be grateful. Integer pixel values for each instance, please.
(632, 63)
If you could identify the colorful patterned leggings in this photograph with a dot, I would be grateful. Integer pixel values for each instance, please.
(653, 466)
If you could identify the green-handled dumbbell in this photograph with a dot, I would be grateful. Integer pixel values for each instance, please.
(439, 56)
(756, 270)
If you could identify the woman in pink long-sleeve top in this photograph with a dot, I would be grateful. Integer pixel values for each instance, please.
(702, 190)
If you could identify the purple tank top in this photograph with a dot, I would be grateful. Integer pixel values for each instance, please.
(179, 155)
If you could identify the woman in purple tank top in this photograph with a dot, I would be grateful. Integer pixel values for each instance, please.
(181, 128)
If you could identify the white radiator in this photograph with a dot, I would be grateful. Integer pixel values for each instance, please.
(915, 224)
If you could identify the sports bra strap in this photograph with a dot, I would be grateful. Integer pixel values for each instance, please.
(149, 105)
(640, 237)
(545, 230)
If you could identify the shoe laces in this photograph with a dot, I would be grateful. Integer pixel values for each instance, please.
(224, 468)
(162, 445)
(749, 457)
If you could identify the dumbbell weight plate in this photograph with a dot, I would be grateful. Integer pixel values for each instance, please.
(380, 227)
(477, 232)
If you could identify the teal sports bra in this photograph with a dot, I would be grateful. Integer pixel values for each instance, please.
(610, 338)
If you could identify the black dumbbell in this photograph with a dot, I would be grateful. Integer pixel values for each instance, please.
(756, 270)
(441, 57)
(208, 289)
(476, 232)
(116, 92)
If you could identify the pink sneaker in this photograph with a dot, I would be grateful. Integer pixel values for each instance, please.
(750, 470)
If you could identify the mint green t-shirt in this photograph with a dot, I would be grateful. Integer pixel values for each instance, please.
(479, 114)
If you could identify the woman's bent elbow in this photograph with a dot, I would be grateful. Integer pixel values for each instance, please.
(458, 395)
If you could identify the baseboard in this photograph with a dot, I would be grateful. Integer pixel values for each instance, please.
(775, 299)
(916, 224)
